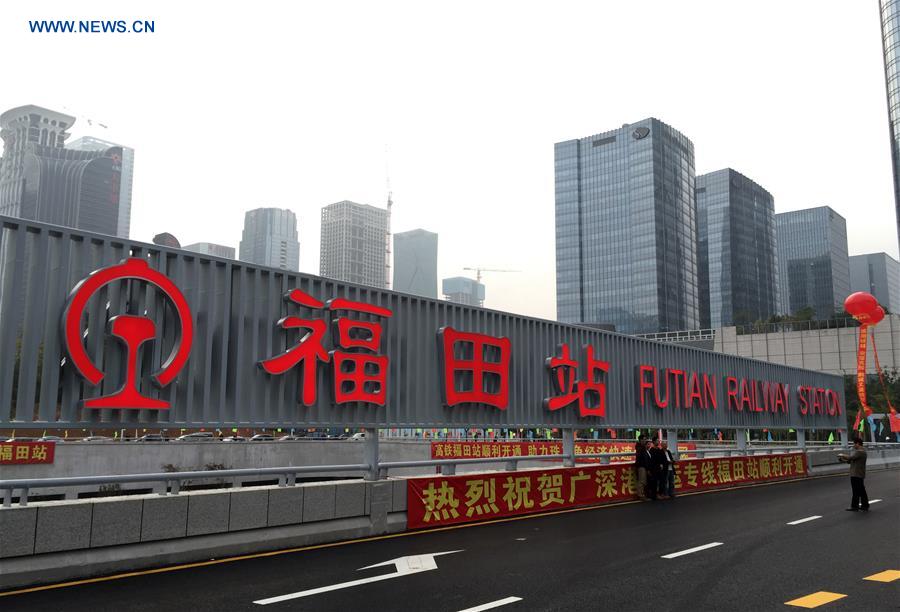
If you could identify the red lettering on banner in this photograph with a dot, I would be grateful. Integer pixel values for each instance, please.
(745, 395)
(359, 377)
(487, 379)
(563, 375)
(436, 500)
(309, 350)
(710, 392)
(679, 383)
(804, 401)
(643, 384)
(731, 390)
(692, 392)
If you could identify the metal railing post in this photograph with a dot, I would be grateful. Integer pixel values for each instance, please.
(801, 439)
(845, 439)
(23, 496)
(7, 498)
(568, 439)
(371, 453)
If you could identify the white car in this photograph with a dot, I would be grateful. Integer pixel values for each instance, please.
(358, 437)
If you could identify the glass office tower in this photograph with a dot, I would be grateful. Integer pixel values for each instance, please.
(270, 239)
(736, 250)
(626, 230)
(415, 262)
(813, 265)
(878, 274)
(890, 39)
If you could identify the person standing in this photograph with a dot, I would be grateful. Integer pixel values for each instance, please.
(641, 463)
(857, 460)
(669, 477)
(658, 462)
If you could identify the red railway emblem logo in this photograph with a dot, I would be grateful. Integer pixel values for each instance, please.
(132, 330)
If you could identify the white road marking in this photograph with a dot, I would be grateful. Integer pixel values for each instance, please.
(404, 567)
(493, 604)
(875, 501)
(523, 539)
(805, 520)
(691, 550)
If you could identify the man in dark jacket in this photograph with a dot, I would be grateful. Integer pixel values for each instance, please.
(857, 460)
(659, 464)
(641, 463)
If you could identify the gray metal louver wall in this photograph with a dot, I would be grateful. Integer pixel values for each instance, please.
(235, 308)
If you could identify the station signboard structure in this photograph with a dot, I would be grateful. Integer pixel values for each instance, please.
(96, 331)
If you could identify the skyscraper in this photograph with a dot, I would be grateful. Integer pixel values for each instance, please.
(42, 180)
(890, 40)
(89, 143)
(270, 239)
(415, 262)
(878, 274)
(626, 230)
(463, 290)
(353, 245)
(736, 249)
(208, 248)
(813, 265)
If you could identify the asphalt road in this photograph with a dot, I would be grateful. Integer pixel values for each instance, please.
(608, 558)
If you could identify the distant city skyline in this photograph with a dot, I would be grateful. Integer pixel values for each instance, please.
(354, 243)
(810, 132)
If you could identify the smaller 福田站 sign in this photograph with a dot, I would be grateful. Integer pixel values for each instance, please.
(536, 448)
(446, 500)
(12, 453)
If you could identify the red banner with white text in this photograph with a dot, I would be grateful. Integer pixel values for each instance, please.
(446, 500)
(535, 448)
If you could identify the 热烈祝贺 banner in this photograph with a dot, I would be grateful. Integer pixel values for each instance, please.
(447, 500)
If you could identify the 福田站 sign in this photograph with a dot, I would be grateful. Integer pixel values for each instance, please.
(175, 339)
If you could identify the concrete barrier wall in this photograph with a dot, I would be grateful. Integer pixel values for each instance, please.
(60, 540)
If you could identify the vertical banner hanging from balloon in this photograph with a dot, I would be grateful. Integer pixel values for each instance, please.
(864, 308)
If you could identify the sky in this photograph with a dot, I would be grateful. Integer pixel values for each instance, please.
(235, 106)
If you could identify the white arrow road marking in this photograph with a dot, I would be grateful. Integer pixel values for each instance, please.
(404, 567)
(874, 501)
(805, 520)
(493, 604)
(691, 550)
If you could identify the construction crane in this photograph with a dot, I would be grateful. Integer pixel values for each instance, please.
(478, 271)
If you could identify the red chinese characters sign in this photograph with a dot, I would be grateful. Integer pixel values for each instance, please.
(359, 374)
(12, 453)
(473, 497)
(535, 448)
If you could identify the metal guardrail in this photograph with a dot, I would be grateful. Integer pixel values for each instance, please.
(172, 481)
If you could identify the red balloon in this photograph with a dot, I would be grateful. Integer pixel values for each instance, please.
(861, 305)
(876, 316)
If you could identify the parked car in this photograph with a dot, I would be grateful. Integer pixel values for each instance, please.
(290, 437)
(234, 439)
(197, 436)
(262, 438)
(97, 439)
(22, 439)
(358, 437)
(51, 439)
(151, 438)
